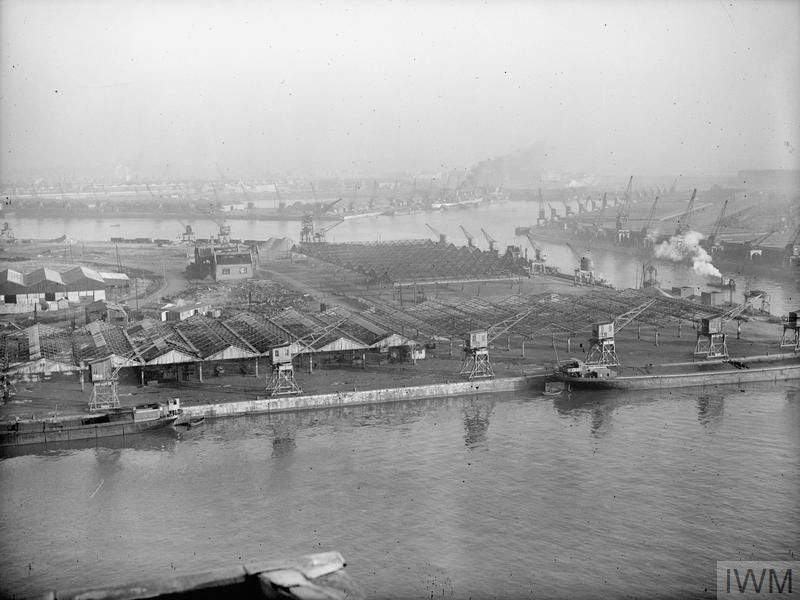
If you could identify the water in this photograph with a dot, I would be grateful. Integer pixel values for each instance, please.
(591, 495)
(499, 219)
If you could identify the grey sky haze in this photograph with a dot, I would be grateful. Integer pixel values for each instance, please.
(170, 89)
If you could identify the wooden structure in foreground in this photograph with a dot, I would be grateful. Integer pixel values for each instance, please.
(318, 576)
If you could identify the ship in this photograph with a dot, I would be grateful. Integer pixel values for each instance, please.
(773, 368)
(104, 423)
(729, 257)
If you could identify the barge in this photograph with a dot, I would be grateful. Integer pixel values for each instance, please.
(580, 375)
(104, 423)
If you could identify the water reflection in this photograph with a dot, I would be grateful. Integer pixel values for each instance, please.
(151, 441)
(710, 410)
(596, 407)
(476, 422)
(284, 440)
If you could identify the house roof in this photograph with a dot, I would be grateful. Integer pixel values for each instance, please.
(237, 258)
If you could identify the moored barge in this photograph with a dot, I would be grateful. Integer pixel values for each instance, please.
(106, 423)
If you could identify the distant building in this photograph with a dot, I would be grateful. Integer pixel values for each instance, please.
(180, 312)
(45, 284)
(84, 284)
(12, 287)
(110, 312)
(231, 266)
(770, 179)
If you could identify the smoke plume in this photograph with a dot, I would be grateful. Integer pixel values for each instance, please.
(687, 247)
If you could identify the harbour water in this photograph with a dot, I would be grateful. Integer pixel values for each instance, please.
(499, 219)
(508, 496)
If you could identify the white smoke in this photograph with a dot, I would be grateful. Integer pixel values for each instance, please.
(687, 247)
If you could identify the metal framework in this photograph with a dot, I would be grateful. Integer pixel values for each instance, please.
(104, 392)
(476, 364)
(282, 381)
(711, 345)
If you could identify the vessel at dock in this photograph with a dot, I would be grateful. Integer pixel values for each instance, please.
(578, 374)
(106, 423)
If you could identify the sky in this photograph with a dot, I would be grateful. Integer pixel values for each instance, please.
(170, 89)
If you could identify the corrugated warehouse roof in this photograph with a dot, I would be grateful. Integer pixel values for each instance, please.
(38, 348)
(81, 278)
(259, 332)
(44, 280)
(213, 340)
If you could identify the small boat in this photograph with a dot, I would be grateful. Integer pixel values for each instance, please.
(189, 423)
(553, 388)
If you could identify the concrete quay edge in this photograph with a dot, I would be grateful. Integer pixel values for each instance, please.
(277, 404)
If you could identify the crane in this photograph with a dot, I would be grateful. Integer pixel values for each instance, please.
(760, 239)
(683, 220)
(793, 249)
(672, 187)
(468, 235)
(490, 240)
(442, 237)
(307, 229)
(246, 195)
(188, 234)
(713, 237)
(319, 234)
(538, 254)
(649, 221)
(622, 209)
(542, 216)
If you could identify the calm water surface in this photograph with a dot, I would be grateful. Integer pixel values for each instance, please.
(588, 495)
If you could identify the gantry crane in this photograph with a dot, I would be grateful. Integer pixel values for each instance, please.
(649, 221)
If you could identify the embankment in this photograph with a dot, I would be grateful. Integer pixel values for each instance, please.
(356, 397)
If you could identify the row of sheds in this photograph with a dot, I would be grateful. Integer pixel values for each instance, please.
(48, 284)
(41, 349)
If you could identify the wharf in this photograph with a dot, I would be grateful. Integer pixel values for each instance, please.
(354, 398)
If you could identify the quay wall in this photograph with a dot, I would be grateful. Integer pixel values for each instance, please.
(356, 397)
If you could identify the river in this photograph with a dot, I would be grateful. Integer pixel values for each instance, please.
(595, 494)
(499, 219)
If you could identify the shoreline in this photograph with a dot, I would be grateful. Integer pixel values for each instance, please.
(296, 403)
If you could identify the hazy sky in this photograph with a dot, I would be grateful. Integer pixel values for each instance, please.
(170, 88)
